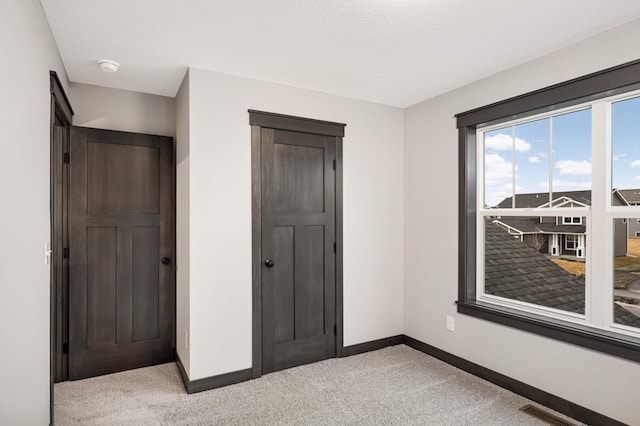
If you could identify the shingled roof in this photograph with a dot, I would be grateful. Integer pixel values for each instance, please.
(532, 225)
(517, 271)
(540, 198)
(631, 196)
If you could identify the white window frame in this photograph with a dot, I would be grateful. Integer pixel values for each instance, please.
(599, 219)
(570, 220)
(570, 238)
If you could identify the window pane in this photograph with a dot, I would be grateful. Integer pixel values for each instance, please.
(626, 274)
(626, 152)
(532, 163)
(498, 167)
(571, 152)
(527, 259)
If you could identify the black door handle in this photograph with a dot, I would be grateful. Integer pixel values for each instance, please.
(269, 263)
(166, 261)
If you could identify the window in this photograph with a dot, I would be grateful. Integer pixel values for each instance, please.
(555, 165)
(570, 242)
(571, 220)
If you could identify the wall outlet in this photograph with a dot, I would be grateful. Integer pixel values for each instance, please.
(186, 339)
(450, 323)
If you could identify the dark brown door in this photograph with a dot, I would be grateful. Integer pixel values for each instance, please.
(298, 235)
(121, 226)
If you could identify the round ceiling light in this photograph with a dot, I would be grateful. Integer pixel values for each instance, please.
(107, 65)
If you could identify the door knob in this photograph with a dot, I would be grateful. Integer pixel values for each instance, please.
(166, 261)
(269, 263)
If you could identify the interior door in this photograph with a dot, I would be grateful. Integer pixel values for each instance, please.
(298, 243)
(121, 250)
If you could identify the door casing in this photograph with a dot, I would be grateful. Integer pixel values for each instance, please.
(61, 115)
(258, 120)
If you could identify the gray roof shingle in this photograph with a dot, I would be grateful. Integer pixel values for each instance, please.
(540, 198)
(530, 225)
(517, 271)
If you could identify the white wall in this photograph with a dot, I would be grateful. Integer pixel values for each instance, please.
(220, 214)
(600, 382)
(115, 109)
(182, 224)
(28, 53)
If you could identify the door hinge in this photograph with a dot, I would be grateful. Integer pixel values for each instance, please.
(65, 348)
(65, 253)
(334, 164)
(334, 247)
(335, 329)
(65, 158)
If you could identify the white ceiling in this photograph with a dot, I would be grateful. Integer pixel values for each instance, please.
(394, 52)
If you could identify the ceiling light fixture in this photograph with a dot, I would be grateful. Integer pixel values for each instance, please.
(107, 65)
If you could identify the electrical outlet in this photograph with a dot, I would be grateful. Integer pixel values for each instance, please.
(186, 339)
(450, 323)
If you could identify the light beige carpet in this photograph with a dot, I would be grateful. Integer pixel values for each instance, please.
(393, 386)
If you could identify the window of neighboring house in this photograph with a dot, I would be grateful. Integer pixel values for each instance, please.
(624, 220)
(638, 220)
(568, 220)
(557, 152)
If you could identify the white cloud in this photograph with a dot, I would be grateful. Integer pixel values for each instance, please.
(619, 157)
(635, 178)
(508, 187)
(498, 171)
(494, 198)
(534, 159)
(574, 168)
(635, 163)
(502, 142)
(563, 185)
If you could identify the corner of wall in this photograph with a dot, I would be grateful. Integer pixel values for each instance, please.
(183, 225)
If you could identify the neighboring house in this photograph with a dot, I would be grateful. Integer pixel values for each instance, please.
(517, 271)
(632, 198)
(561, 235)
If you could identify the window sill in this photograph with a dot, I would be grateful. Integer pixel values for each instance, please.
(599, 340)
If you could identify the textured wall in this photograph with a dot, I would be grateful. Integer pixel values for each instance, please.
(28, 53)
(220, 214)
(115, 109)
(600, 382)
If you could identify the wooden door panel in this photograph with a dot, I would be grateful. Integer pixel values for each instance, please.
(298, 232)
(101, 286)
(284, 283)
(122, 178)
(121, 224)
(298, 178)
(310, 312)
(145, 298)
(300, 352)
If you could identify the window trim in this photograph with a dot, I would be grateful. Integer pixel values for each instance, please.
(570, 238)
(571, 221)
(603, 84)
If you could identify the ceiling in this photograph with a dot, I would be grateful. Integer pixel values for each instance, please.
(393, 52)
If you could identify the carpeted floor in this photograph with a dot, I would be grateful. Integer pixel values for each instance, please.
(396, 386)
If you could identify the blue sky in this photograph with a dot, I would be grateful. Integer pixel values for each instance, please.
(569, 157)
(626, 144)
